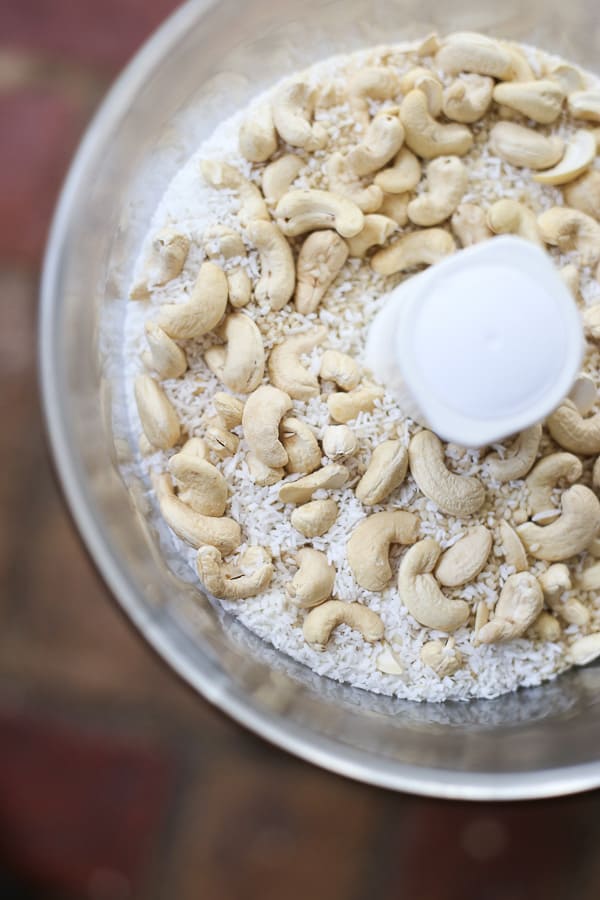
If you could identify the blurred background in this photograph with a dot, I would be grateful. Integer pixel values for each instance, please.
(116, 781)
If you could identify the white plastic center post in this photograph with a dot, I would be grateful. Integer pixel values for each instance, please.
(482, 345)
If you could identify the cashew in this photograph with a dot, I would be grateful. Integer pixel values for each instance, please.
(469, 223)
(165, 357)
(301, 446)
(402, 176)
(342, 180)
(263, 411)
(313, 582)
(168, 253)
(395, 207)
(542, 480)
(343, 407)
(192, 527)
(522, 71)
(579, 155)
(571, 229)
(538, 100)
(378, 82)
(368, 548)
(464, 561)
(278, 275)
(240, 287)
(511, 217)
(589, 580)
(292, 107)
(159, 420)
(262, 474)
(468, 98)
(330, 477)
(456, 495)
(524, 147)
(258, 138)
(574, 433)
(420, 593)
(240, 365)
(321, 621)
(546, 627)
(315, 518)
(427, 137)
(388, 663)
(570, 277)
(574, 612)
(571, 533)
(201, 485)
(382, 140)
(569, 77)
(520, 603)
(585, 105)
(522, 457)
(429, 45)
(339, 368)
(591, 322)
(469, 52)
(195, 447)
(215, 580)
(386, 471)
(339, 442)
(300, 211)
(482, 617)
(584, 394)
(219, 439)
(321, 259)
(424, 80)
(554, 582)
(376, 231)
(444, 659)
(221, 176)
(219, 240)
(285, 369)
(584, 194)
(512, 548)
(585, 650)
(418, 248)
(204, 309)
(447, 181)
(279, 176)
(229, 408)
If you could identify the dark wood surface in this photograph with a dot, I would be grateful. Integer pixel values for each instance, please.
(116, 781)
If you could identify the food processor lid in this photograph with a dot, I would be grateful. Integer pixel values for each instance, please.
(482, 345)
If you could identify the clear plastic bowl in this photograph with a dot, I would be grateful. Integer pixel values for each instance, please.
(206, 61)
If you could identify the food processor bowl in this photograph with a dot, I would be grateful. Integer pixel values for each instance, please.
(205, 62)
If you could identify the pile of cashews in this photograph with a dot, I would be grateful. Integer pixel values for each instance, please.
(303, 239)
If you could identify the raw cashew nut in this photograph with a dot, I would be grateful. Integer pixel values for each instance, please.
(204, 309)
(258, 138)
(339, 442)
(376, 230)
(444, 659)
(201, 485)
(554, 582)
(263, 411)
(315, 518)
(321, 621)
(310, 210)
(591, 322)
(330, 477)
(369, 546)
(383, 139)
(229, 408)
(423, 79)
(585, 105)
(546, 627)
(159, 420)
(301, 446)
(571, 229)
(339, 368)
(421, 594)
(584, 394)
(240, 287)
(313, 582)
(388, 662)
(386, 471)
(343, 407)
(217, 582)
(427, 137)
(402, 176)
(570, 277)
(219, 439)
(512, 548)
(584, 194)
(467, 51)
(395, 207)
(447, 181)
(192, 527)
(511, 217)
(571, 533)
(344, 181)
(293, 107)
(321, 259)
(522, 457)
(570, 78)
(468, 98)
(221, 176)
(589, 580)
(542, 480)
(418, 248)
(585, 650)
(168, 253)
(377, 82)
(579, 155)
(278, 274)
(572, 432)
(538, 100)
(469, 224)
(219, 240)
(456, 495)
(524, 147)
(195, 447)
(520, 603)
(164, 356)
(285, 369)
(464, 561)
(240, 365)
(262, 474)
(279, 176)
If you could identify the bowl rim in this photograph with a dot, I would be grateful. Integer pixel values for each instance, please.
(205, 677)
